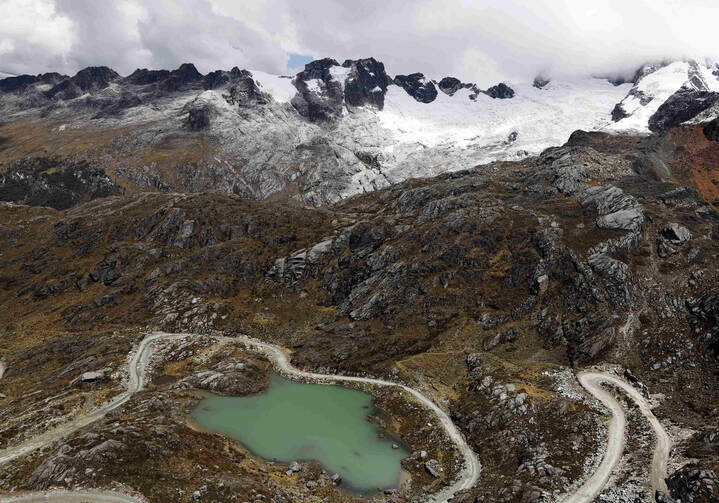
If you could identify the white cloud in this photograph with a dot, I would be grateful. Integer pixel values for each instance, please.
(483, 41)
(33, 35)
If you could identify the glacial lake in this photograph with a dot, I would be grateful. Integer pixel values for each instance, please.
(293, 421)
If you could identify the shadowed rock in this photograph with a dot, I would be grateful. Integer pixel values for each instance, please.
(417, 86)
(500, 91)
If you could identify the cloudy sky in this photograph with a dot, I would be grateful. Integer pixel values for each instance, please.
(483, 41)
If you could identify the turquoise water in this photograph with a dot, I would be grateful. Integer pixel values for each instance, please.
(294, 421)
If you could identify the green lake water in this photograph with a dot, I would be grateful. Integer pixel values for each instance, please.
(294, 421)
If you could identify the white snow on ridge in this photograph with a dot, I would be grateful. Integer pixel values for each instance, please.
(540, 117)
(711, 80)
(655, 88)
(4, 75)
(658, 86)
(280, 88)
(340, 73)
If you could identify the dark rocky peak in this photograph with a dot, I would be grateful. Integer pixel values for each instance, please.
(185, 77)
(319, 98)
(220, 78)
(143, 76)
(500, 91)
(417, 86)
(11, 84)
(366, 84)
(318, 69)
(87, 80)
(93, 78)
(450, 85)
(540, 81)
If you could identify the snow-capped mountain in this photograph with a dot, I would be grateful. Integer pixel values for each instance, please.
(333, 130)
(666, 95)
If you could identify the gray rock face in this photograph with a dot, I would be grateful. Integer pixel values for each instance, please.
(320, 97)
(617, 210)
(570, 179)
(628, 220)
(614, 275)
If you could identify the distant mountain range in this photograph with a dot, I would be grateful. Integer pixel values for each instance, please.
(332, 130)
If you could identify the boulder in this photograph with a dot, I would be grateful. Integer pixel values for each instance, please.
(94, 376)
(676, 234)
(628, 220)
(433, 468)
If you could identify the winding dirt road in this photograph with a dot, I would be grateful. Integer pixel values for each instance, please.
(591, 381)
(472, 467)
(137, 366)
(136, 382)
(73, 497)
(468, 477)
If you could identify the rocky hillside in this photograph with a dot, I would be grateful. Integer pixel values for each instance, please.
(331, 131)
(487, 285)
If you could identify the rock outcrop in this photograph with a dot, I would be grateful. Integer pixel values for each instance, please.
(417, 86)
(366, 83)
(501, 91)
